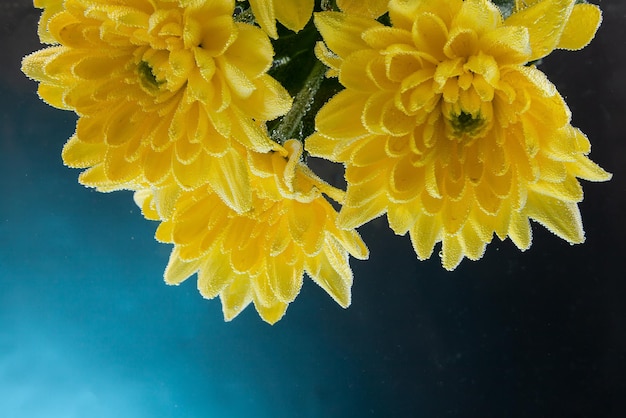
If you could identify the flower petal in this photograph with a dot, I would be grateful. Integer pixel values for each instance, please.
(342, 33)
(581, 27)
(294, 14)
(545, 21)
(559, 217)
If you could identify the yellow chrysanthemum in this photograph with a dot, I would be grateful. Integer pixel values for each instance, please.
(163, 89)
(443, 125)
(261, 255)
(294, 14)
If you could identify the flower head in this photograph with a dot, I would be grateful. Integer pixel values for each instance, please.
(163, 90)
(261, 255)
(445, 127)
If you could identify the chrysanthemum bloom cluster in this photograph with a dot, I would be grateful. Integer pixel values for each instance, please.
(445, 126)
(259, 256)
(163, 89)
(172, 97)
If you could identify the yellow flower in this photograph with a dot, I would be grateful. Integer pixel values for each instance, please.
(258, 256)
(163, 89)
(445, 128)
(294, 14)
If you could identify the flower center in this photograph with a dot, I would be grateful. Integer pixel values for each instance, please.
(147, 78)
(465, 124)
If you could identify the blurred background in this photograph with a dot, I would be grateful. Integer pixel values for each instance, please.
(89, 329)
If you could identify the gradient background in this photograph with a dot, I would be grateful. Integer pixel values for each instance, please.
(89, 329)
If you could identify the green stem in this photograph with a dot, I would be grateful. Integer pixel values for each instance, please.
(290, 123)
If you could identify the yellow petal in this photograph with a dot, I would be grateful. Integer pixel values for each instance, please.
(285, 279)
(177, 270)
(143, 199)
(164, 230)
(54, 95)
(352, 74)
(229, 179)
(328, 58)
(267, 101)
(401, 218)
(545, 21)
(189, 225)
(368, 8)
(51, 9)
(96, 177)
(281, 239)
(294, 14)
(157, 165)
(340, 118)
(454, 214)
(473, 246)
(78, 154)
(425, 232)
(451, 252)
(343, 33)
(249, 133)
(245, 256)
(363, 184)
(165, 198)
(333, 274)
(215, 274)
(480, 15)
(265, 14)
(273, 313)
(352, 217)
(430, 34)
(586, 169)
(369, 150)
(352, 242)
(240, 85)
(561, 218)
(581, 27)
(567, 191)
(388, 40)
(311, 238)
(236, 297)
(520, 231)
(251, 52)
(119, 170)
(99, 66)
(508, 45)
(406, 182)
(262, 292)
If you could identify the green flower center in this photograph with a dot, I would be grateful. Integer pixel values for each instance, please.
(465, 124)
(147, 78)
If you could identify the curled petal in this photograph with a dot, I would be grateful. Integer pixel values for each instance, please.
(342, 33)
(581, 27)
(545, 21)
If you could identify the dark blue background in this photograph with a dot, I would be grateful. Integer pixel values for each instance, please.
(89, 329)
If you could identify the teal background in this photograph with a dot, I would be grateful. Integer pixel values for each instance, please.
(89, 329)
